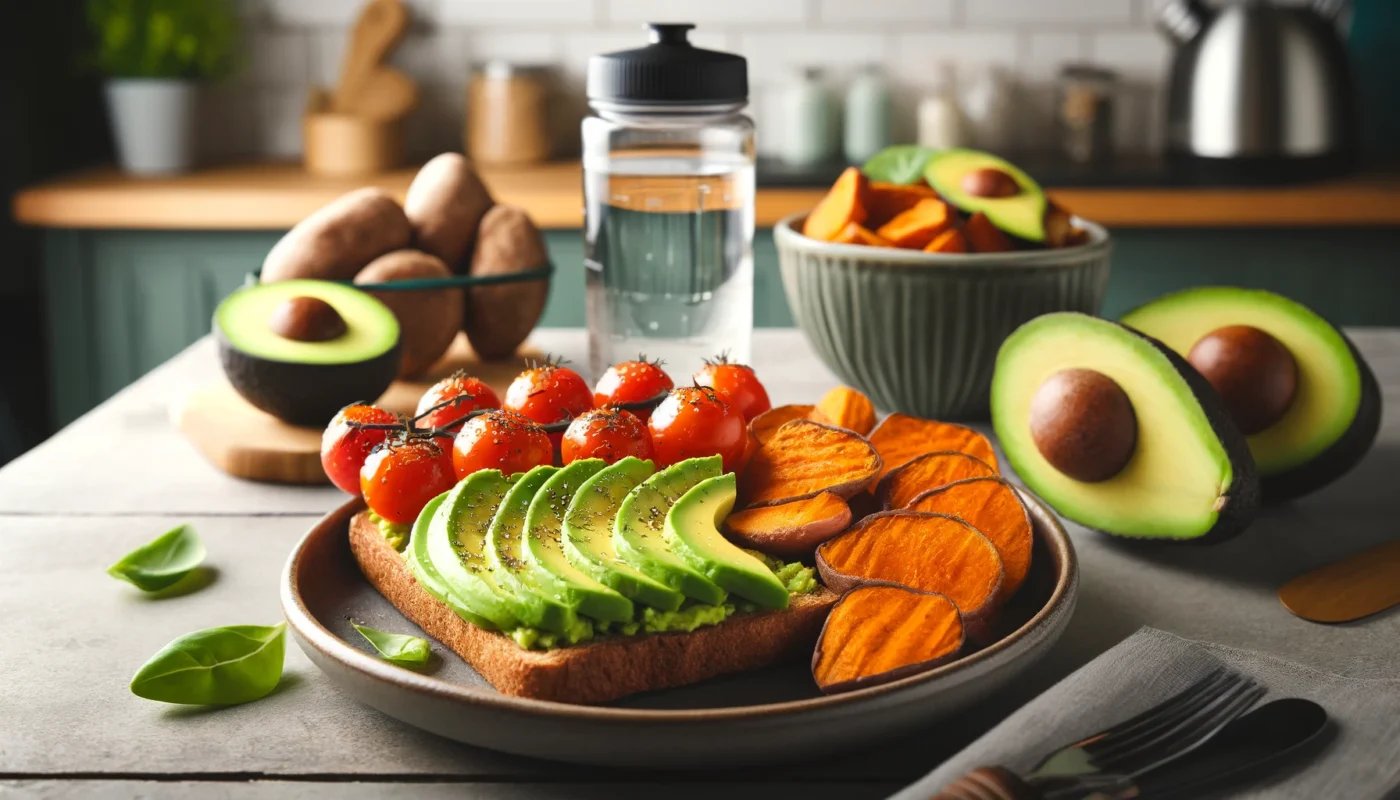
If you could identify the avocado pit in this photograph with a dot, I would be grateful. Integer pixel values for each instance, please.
(1253, 372)
(990, 182)
(307, 319)
(1083, 423)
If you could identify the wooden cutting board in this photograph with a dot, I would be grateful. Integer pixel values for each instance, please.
(248, 443)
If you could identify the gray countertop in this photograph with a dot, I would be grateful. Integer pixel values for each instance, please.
(72, 636)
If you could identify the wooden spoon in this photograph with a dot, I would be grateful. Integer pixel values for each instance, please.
(1350, 589)
(379, 29)
(386, 94)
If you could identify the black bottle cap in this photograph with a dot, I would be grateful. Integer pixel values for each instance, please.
(669, 71)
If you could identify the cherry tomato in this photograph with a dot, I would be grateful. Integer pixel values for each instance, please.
(502, 440)
(737, 385)
(457, 385)
(695, 421)
(630, 382)
(607, 433)
(402, 475)
(550, 393)
(344, 449)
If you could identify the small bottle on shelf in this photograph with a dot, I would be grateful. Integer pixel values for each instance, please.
(809, 121)
(867, 128)
(940, 123)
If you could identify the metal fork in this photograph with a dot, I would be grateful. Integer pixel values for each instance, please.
(1106, 763)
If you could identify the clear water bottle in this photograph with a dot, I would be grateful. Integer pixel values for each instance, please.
(668, 188)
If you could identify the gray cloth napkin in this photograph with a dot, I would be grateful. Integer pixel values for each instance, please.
(1360, 762)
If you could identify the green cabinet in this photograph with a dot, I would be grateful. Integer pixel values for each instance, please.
(121, 302)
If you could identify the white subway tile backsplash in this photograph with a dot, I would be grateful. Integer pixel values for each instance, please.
(336, 12)
(278, 58)
(1142, 55)
(775, 57)
(279, 113)
(1024, 12)
(918, 55)
(728, 12)
(1042, 54)
(496, 12)
(870, 13)
(327, 52)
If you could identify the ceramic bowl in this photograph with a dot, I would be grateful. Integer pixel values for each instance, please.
(919, 332)
(759, 717)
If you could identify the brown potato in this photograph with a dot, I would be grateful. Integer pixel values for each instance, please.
(428, 319)
(339, 238)
(445, 204)
(500, 317)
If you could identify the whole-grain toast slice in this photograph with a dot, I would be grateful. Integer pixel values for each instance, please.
(595, 672)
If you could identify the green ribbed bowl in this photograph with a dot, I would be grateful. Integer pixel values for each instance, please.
(919, 332)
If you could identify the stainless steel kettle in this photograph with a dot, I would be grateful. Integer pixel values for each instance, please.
(1256, 81)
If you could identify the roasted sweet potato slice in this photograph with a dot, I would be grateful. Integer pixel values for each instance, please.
(794, 528)
(805, 458)
(763, 426)
(887, 200)
(928, 552)
(930, 471)
(902, 438)
(844, 203)
(881, 633)
(984, 236)
(949, 241)
(918, 225)
(994, 507)
(855, 233)
(848, 408)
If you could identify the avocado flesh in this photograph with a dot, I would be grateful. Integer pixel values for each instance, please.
(456, 550)
(1021, 215)
(535, 604)
(1336, 412)
(416, 557)
(692, 528)
(1190, 476)
(588, 534)
(544, 548)
(306, 383)
(639, 532)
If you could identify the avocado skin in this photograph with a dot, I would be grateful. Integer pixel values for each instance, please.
(1343, 454)
(305, 394)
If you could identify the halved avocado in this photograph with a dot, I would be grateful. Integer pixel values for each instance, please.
(1305, 397)
(303, 350)
(1119, 433)
(976, 181)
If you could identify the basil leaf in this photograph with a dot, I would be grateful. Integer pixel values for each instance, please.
(396, 647)
(900, 163)
(161, 562)
(217, 666)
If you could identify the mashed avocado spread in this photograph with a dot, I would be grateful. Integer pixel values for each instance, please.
(394, 533)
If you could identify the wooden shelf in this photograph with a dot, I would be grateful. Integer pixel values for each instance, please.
(276, 196)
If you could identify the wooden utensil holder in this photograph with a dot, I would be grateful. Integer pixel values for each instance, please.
(337, 144)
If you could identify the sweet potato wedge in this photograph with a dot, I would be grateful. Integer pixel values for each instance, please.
(902, 438)
(848, 408)
(855, 233)
(843, 204)
(763, 426)
(805, 458)
(994, 507)
(790, 529)
(888, 200)
(949, 241)
(881, 633)
(984, 236)
(916, 227)
(928, 552)
(930, 471)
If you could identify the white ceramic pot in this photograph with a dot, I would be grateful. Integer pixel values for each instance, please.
(153, 122)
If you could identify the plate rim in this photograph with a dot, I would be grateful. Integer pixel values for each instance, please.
(310, 631)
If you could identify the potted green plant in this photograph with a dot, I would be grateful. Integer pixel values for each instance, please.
(154, 54)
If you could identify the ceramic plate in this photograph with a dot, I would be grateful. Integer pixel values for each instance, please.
(754, 718)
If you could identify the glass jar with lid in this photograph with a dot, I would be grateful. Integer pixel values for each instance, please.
(668, 184)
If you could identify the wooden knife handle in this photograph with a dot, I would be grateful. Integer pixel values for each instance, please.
(988, 783)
